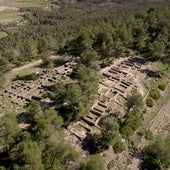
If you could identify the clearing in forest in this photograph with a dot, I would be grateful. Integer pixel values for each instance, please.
(116, 82)
(9, 10)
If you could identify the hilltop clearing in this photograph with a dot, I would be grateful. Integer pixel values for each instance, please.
(9, 10)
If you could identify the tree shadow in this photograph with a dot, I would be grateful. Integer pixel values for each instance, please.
(151, 73)
(22, 118)
(104, 64)
(138, 60)
(92, 145)
(4, 158)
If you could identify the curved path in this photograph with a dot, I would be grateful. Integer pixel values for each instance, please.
(32, 64)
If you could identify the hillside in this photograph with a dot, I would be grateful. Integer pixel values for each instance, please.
(84, 85)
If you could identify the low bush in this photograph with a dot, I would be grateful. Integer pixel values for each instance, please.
(31, 76)
(126, 131)
(154, 93)
(132, 122)
(118, 146)
(141, 132)
(157, 154)
(148, 135)
(47, 63)
(162, 86)
(133, 145)
(149, 102)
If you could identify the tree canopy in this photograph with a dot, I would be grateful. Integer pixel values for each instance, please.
(157, 154)
(134, 101)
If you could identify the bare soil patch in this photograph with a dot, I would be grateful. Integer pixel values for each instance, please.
(32, 64)
(3, 8)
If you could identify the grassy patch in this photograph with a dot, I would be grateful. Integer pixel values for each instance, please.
(162, 86)
(154, 93)
(118, 146)
(149, 102)
(9, 16)
(141, 132)
(24, 3)
(130, 125)
(162, 66)
(148, 135)
(9, 9)
(3, 34)
(31, 76)
(12, 75)
(9, 106)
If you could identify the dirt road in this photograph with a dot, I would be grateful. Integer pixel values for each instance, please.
(32, 64)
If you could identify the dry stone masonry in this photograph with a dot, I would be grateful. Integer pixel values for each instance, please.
(117, 82)
(21, 92)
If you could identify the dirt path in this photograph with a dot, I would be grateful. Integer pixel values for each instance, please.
(32, 64)
(3, 8)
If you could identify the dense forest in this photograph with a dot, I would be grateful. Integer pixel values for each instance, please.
(112, 30)
(99, 30)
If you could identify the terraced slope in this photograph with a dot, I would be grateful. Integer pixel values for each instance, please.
(117, 82)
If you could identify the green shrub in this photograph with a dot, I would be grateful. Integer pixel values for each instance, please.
(95, 163)
(31, 76)
(148, 135)
(132, 122)
(126, 131)
(162, 86)
(154, 93)
(157, 154)
(132, 145)
(118, 146)
(47, 63)
(149, 102)
(141, 132)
